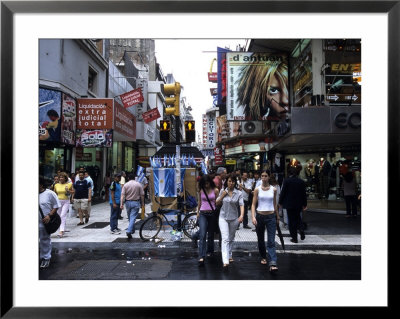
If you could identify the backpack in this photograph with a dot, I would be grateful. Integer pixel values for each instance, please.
(191, 202)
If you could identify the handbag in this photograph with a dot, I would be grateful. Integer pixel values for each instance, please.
(208, 200)
(53, 224)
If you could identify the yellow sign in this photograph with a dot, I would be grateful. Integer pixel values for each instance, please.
(230, 162)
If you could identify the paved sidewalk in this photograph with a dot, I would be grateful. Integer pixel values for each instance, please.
(325, 231)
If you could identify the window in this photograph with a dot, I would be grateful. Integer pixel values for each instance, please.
(92, 81)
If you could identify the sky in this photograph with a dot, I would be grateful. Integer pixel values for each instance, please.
(190, 61)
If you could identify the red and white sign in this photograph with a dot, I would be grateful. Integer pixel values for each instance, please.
(213, 77)
(151, 115)
(218, 159)
(205, 130)
(132, 98)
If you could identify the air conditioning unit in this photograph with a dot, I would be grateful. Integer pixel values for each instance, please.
(252, 128)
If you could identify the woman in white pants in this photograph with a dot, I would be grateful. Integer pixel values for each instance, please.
(63, 189)
(230, 198)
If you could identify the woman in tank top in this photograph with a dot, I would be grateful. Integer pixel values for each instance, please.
(206, 214)
(265, 202)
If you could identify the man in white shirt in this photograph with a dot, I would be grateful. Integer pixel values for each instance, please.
(49, 204)
(245, 186)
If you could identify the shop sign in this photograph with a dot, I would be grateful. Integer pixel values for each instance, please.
(95, 114)
(343, 120)
(230, 162)
(212, 77)
(211, 138)
(218, 159)
(124, 122)
(93, 138)
(221, 75)
(223, 128)
(49, 115)
(68, 124)
(132, 98)
(204, 117)
(214, 92)
(151, 115)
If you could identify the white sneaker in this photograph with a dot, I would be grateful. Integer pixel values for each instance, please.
(115, 232)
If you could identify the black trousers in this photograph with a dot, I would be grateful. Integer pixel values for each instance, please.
(351, 205)
(295, 222)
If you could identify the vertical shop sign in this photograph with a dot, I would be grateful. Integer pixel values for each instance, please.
(68, 124)
(221, 75)
(124, 122)
(211, 131)
(257, 86)
(204, 118)
(218, 159)
(95, 114)
(223, 129)
(49, 115)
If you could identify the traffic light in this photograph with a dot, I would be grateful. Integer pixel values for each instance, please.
(172, 95)
(165, 127)
(190, 131)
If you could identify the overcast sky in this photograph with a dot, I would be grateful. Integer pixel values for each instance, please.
(190, 61)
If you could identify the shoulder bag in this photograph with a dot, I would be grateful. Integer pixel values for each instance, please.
(209, 201)
(53, 224)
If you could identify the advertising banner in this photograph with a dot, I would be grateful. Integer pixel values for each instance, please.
(151, 115)
(49, 115)
(223, 128)
(218, 158)
(124, 122)
(132, 98)
(68, 124)
(95, 114)
(221, 79)
(211, 131)
(94, 138)
(257, 86)
(204, 123)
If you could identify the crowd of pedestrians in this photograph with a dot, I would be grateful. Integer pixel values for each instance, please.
(224, 201)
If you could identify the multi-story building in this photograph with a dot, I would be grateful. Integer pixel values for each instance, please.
(320, 131)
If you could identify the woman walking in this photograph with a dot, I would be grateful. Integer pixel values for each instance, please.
(206, 215)
(265, 202)
(231, 199)
(63, 190)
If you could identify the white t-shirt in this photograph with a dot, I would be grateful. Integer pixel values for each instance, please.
(248, 184)
(48, 200)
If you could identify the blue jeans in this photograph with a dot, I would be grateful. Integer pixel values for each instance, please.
(269, 222)
(206, 224)
(132, 209)
(115, 212)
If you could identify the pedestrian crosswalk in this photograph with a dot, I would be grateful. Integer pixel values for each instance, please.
(100, 215)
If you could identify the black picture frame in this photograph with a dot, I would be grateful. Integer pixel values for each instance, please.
(9, 8)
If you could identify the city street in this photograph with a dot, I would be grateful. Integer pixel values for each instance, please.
(331, 251)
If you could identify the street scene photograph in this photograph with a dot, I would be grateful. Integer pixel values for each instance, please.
(199, 159)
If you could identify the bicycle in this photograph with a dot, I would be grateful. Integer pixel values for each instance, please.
(153, 224)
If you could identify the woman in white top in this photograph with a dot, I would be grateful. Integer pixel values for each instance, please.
(267, 216)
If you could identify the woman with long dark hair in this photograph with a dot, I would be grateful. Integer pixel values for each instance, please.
(206, 214)
(231, 199)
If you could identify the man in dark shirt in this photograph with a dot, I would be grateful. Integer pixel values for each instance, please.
(293, 197)
(82, 194)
